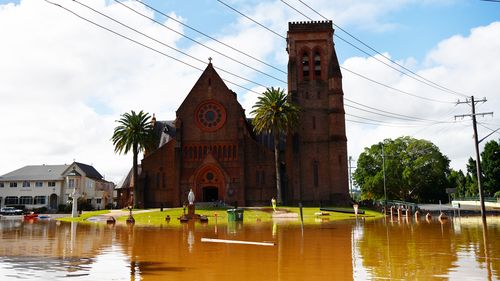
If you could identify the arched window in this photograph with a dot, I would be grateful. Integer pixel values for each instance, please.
(305, 66)
(317, 65)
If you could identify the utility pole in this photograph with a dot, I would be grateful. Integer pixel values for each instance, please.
(383, 169)
(476, 144)
(350, 178)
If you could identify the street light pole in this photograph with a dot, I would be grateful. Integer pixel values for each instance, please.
(383, 169)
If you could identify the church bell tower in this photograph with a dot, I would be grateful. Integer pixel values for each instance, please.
(316, 152)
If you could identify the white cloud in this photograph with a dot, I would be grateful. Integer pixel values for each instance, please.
(465, 64)
(63, 81)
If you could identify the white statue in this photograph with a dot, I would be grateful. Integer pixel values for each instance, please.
(191, 197)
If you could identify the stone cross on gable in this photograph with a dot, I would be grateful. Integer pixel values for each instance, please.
(209, 59)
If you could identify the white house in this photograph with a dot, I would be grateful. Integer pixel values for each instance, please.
(51, 185)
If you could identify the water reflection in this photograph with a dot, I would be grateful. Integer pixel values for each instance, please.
(353, 250)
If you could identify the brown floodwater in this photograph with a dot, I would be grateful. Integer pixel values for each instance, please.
(347, 250)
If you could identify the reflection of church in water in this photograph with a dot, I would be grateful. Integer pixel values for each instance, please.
(211, 147)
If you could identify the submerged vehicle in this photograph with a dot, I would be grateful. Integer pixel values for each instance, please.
(6, 211)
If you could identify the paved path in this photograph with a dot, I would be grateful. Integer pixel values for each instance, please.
(116, 214)
(448, 207)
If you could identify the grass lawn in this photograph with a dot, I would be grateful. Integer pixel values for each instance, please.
(251, 215)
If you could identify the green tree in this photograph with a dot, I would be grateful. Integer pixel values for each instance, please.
(490, 166)
(457, 180)
(274, 114)
(471, 188)
(134, 132)
(415, 171)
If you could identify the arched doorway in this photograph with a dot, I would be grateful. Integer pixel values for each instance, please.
(53, 201)
(210, 193)
(209, 184)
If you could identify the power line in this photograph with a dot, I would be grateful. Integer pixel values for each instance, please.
(392, 88)
(342, 67)
(397, 114)
(204, 45)
(166, 45)
(383, 122)
(249, 18)
(208, 36)
(432, 84)
(142, 44)
(409, 118)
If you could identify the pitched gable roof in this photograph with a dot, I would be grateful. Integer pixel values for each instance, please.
(89, 171)
(36, 172)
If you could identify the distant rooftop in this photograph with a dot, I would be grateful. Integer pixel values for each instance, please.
(48, 172)
(36, 172)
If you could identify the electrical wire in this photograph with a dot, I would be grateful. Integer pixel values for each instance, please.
(392, 88)
(425, 80)
(142, 44)
(208, 36)
(204, 45)
(397, 114)
(383, 122)
(342, 67)
(166, 45)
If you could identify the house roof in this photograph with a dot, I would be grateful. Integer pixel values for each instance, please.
(36, 172)
(89, 171)
(47, 172)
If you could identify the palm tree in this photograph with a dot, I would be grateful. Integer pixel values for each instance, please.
(274, 114)
(134, 132)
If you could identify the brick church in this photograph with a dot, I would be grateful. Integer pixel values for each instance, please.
(211, 147)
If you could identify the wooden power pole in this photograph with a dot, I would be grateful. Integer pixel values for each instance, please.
(472, 103)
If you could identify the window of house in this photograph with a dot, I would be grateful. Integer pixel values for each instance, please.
(13, 184)
(26, 200)
(11, 200)
(1, 184)
(26, 184)
(315, 174)
(38, 184)
(305, 66)
(89, 201)
(317, 65)
(40, 200)
(71, 183)
(98, 201)
(52, 183)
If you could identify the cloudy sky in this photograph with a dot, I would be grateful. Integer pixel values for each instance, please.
(64, 81)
